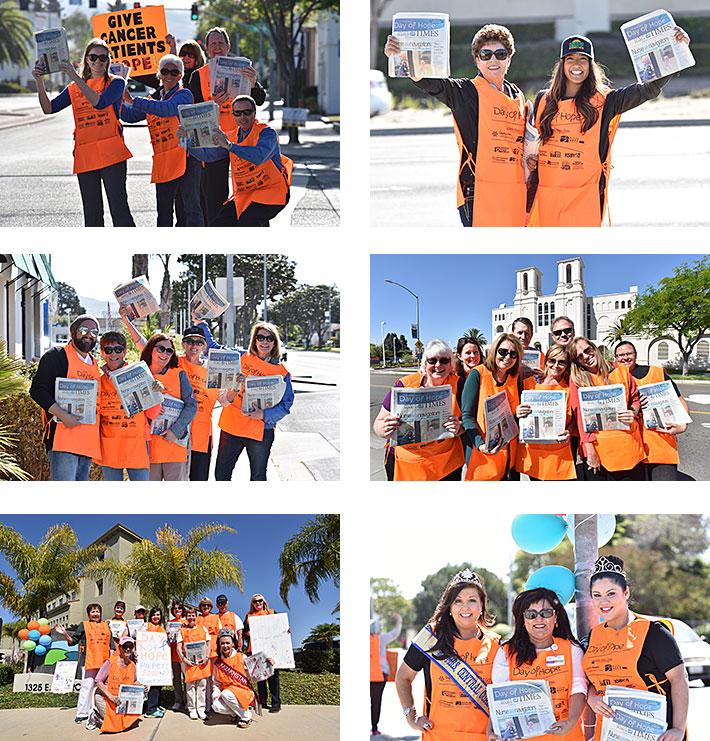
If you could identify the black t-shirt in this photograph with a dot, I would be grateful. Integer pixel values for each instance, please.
(641, 371)
(418, 661)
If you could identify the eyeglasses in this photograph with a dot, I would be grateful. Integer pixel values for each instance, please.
(243, 112)
(264, 338)
(164, 350)
(111, 350)
(560, 332)
(503, 353)
(589, 350)
(546, 612)
(561, 363)
(83, 331)
(170, 71)
(625, 355)
(190, 341)
(485, 54)
(434, 361)
(97, 57)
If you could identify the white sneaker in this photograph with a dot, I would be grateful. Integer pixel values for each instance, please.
(91, 722)
(193, 714)
(201, 715)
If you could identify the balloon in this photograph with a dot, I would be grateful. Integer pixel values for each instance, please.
(32, 625)
(29, 645)
(45, 641)
(43, 621)
(538, 533)
(24, 634)
(33, 635)
(40, 650)
(606, 527)
(44, 630)
(557, 578)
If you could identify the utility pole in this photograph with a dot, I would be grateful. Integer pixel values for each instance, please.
(266, 292)
(230, 301)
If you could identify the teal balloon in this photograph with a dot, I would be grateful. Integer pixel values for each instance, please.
(557, 578)
(538, 533)
(43, 621)
(45, 641)
(34, 635)
(40, 650)
(29, 645)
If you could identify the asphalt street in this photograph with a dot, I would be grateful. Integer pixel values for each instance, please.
(692, 444)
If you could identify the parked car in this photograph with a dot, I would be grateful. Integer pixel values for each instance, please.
(380, 96)
(138, 89)
(694, 650)
(321, 645)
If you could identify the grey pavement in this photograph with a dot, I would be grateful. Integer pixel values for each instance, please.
(294, 722)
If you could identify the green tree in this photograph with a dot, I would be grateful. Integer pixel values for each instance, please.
(677, 537)
(617, 332)
(475, 334)
(313, 302)
(324, 632)
(243, 16)
(174, 566)
(400, 341)
(42, 571)
(11, 383)
(525, 563)
(15, 35)
(67, 300)
(313, 555)
(678, 308)
(166, 291)
(79, 32)
(386, 600)
(286, 314)
(112, 7)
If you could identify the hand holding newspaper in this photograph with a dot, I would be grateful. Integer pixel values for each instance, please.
(77, 396)
(422, 413)
(131, 699)
(134, 386)
(600, 407)
(258, 667)
(520, 709)
(226, 76)
(501, 426)
(663, 408)
(208, 303)
(262, 392)
(200, 122)
(52, 49)
(423, 40)
(169, 412)
(136, 296)
(223, 368)
(196, 651)
(546, 421)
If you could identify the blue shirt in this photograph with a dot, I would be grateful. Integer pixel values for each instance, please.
(266, 147)
(165, 108)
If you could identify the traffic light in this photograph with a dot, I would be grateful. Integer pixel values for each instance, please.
(193, 12)
(136, 5)
(24, 4)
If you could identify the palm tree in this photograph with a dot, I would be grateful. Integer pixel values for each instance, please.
(11, 383)
(12, 630)
(324, 632)
(313, 554)
(617, 331)
(166, 292)
(174, 566)
(43, 571)
(15, 35)
(475, 334)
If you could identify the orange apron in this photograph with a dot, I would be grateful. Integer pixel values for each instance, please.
(114, 722)
(227, 121)
(83, 439)
(430, 461)
(481, 466)
(201, 427)
(192, 635)
(211, 622)
(376, 674)
(231, 419)
(243, 694)
(658, 446)
(169, 158)
(98, 644)
(569, 169)
(98, 141)
(162, 451)
(229, 620)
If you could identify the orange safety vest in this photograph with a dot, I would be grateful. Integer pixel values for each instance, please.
(98, 644)
(211, 622)
(227, 122)
(229, 620)
(192, 635)
(82, 439)
(376, 673)
(558, 675)
(482, 466)
(499, 191)
(547, 461)
(169, 158)
(569, 169)
(162, 451)
(619, 450)
(263, 183)
(452, 712)
(243, 694)
(123, 443)
(113, 722)
(98, 141)
(201, 427)
(231, 419)
(660, 447)
(434, 460)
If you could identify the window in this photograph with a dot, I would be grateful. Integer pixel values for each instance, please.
(99, 587)
(552, 312)
(525, 281)
(663, 351)
(547, 313)
(703, 350)
(568, 274)
(499, 329)
(616, 304)
(539, 315)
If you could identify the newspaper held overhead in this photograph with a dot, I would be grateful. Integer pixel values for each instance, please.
(600, 407)
(52, 49)
(137, 297)
(271, 635)
(422, 412)
(664, 407)
(201, 123)
(208, 302)
(223, 368)
(653, 48)
(423, 40)
(258, 668)
(119, 69)
(130, 699)
(532, 359)
(134, 386)
(501, 426)
(520, 709)
(169, 412)
(78, 397)
(226, 76)
(546, 421)
(262, 392)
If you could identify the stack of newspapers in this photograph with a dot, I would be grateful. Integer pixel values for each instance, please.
(501, 426)
(78, 397)
(52, 49)
(638, 715)
(422, 413)
(208, 303)
(520, 709)
(600, 407)
(134, 386)
(423, 45)
(262, 392)
(663, 408)
(130, 699)
(137, 297)
(547, 419)
(169, 412)
(201, 123)
(223, 368)
(226, 76)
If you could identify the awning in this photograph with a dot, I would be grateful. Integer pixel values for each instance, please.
(37, 266)
(45, 270)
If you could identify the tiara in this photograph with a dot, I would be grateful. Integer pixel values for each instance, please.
(465, 577)
(604, 565)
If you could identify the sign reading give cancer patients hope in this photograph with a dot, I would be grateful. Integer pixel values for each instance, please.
(135, 37)
(153, 652)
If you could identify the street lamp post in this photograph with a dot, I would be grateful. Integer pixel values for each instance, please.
(382, 333)
(394, 283)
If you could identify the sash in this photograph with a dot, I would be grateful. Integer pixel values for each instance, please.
(239, 678)
(457, 669)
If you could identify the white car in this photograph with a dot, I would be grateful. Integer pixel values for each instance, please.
(694, 650)
(380, 96)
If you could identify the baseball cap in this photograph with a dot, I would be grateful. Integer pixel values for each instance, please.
(577, 45)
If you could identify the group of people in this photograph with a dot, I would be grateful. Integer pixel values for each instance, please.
(572, 362)
(460, 655)
(218, 683)
(191, 183)
(118, 442)
(576, 116)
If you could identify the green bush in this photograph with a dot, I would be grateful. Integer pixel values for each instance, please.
(24, 418)
(317, 662)
(7, 674)
(309, 689)
(12, 88)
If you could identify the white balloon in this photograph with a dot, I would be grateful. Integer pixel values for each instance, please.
(606, 526)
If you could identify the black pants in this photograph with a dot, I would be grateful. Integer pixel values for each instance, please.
(376, 690)
(274, 689)
(256, 214)
(662, 472)
(188, 185)
(230, 448)
(114, 180)
(637, 473)
(200, 464)
(215, 187)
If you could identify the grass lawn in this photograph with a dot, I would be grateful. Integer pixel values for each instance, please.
(693, 376)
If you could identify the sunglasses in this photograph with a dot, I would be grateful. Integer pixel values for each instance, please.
(560, 332)
(97, 57)
(244, 112)
(258, 601)
(264, 338)
(83, 331)
(190, 341)
(485, 54)
(562, 363)
(546, 612)
(587, 351)
(114, 349)
(434, 361)
(164, 350)
(503, 353)
(172, 72)
(188, 54)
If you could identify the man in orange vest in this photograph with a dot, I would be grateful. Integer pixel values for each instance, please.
(229, 620)
(70, 444)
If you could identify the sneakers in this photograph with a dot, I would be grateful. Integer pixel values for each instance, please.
(201, 715)
(91, 724)
(158, 713)
(81, 719)
(193, 714)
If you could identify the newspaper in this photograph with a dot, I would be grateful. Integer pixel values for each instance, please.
(134, 626)
(664, 407)
(201, 123)
(52, 49)
(195, 651)
(501, 426)
(130, 699)
(639, 702)
(119, 69)
(78, 397)
(226, 76)
(626, 726)
(134, 386)
(223, 368)
(654, 51)
(422, 412)
(136, 295)
(520, 709)
(116, 627)
(208, 302)
(423, 45)
(547, 420)
(600, 407)
(258, 668)
(262, 392)
(173, 630)
(169, 412)
(532, 359)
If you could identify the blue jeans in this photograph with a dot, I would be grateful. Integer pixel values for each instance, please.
(68, 466)
(116, 474)
(188, 185)
(230, 448)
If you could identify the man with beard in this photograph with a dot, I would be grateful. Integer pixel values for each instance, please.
(70, 444)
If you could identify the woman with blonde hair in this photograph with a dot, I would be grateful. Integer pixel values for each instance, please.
(259, 606)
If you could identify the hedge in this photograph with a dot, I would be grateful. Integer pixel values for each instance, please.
(317, 662)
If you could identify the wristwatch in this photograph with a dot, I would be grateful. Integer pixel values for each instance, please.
(407, 711)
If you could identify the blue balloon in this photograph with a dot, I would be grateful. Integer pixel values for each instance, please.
(538, 533)
(40, 650)
(45, 641)
(34, 635)
(557, 578)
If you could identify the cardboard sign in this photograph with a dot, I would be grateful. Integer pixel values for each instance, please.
(270, 634)
(135, 37)
(64, 677)
(153, 652)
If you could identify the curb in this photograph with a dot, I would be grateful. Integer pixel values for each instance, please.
(22, 118)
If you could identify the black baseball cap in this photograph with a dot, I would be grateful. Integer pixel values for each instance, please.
(195, 331)
(222, 598)
(577, 45)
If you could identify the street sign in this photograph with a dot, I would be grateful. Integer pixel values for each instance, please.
(414, 332)
(418, 345)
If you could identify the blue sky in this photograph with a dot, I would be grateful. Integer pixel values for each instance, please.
(257, 544)
(457, 292)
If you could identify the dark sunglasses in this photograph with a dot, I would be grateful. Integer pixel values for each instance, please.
(244, 112)
(264, 338)
(434, 361)
(188, 54)
(546, 612)
(164, 350)
(113, 349)
(190, 341)
(559, 332)
(97, 57)
(258, 601)
(172, 72)
(503, 353)
(485, 54)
